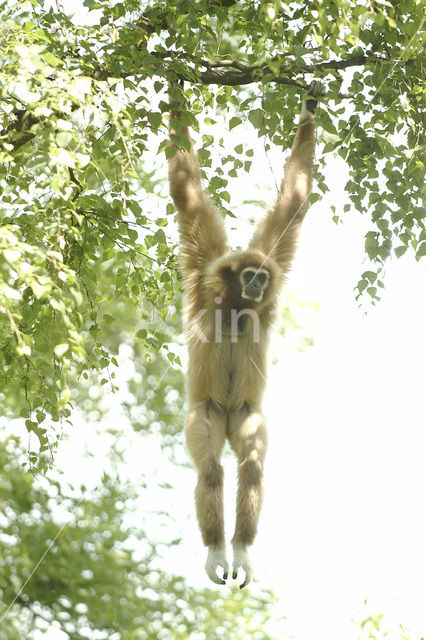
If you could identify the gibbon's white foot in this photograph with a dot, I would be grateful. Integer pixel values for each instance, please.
(316, 89)
(216, 558)
(242, 560)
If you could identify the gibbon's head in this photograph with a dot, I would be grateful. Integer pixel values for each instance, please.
(244, 279)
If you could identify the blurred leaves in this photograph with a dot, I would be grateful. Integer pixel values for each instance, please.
(99, 577)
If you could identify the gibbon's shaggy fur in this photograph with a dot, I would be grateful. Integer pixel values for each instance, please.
(230, 299)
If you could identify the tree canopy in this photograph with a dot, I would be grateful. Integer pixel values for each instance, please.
(84, 219)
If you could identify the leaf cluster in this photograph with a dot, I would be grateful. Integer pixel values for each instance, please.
(70, 561)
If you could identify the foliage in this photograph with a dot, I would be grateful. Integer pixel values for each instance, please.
(372, 628)
(83, 112)
(150, 378)
(99, 577)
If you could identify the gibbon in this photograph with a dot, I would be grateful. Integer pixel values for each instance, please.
(229, 303)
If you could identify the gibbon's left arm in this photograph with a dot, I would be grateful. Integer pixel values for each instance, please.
(276, 235)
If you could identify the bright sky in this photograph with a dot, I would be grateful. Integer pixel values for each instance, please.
(344, 518)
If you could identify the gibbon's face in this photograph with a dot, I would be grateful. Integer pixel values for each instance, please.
(254, 283)
(242, 279)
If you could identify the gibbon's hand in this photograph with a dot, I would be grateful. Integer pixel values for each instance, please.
(241, 559)
(316, 89)
(216, 558)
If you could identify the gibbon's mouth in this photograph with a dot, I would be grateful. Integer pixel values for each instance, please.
(257, 298)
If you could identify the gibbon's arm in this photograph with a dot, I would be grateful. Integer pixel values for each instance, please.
(276, 235)
(201, 227)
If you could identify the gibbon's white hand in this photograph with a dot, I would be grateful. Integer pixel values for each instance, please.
(316, 89)
(216, 558)
(242, 560)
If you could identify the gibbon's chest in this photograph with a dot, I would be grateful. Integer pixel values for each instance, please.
(227, 359)
(237, 371)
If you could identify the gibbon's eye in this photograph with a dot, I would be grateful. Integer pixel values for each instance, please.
(261, 277)
(248, 276)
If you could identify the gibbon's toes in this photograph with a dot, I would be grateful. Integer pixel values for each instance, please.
(216, 558)
(316, 88)
(241, 559)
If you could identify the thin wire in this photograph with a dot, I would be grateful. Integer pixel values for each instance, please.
(258, 368)
(39, 563)
(50, 545)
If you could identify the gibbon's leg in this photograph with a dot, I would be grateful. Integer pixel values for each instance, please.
(205, 436)
(248, 437)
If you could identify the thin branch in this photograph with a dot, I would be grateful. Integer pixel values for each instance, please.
(236, 73)
(21, 125)
(74, 179)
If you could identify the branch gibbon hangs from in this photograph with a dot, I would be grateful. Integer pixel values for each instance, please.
(230, 298)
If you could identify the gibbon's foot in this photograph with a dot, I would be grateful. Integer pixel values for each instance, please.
(241, 559)
(316, 89)
(216, 558)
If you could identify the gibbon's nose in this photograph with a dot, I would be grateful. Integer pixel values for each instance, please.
(253, 289)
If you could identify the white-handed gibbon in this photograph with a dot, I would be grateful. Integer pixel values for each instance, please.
(229, 302)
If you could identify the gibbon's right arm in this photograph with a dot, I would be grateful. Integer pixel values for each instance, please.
(201, 227)
(276, 235)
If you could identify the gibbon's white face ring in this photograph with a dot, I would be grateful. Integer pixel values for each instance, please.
(253, 282)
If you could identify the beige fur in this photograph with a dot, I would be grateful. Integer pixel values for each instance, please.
(227, 362)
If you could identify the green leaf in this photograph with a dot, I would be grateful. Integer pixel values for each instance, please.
(421, 251)
(60, 350)
(234, 122)
(256, 117)
(155, 119)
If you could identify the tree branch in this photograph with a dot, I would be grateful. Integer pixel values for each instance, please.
(235, 73)
(221, 72)
(21, 125)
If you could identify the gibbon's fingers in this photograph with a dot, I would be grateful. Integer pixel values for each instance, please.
(316, 89)
(216, 558)
(241, 559)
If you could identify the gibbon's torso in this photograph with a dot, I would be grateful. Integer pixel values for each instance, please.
(226, 367)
